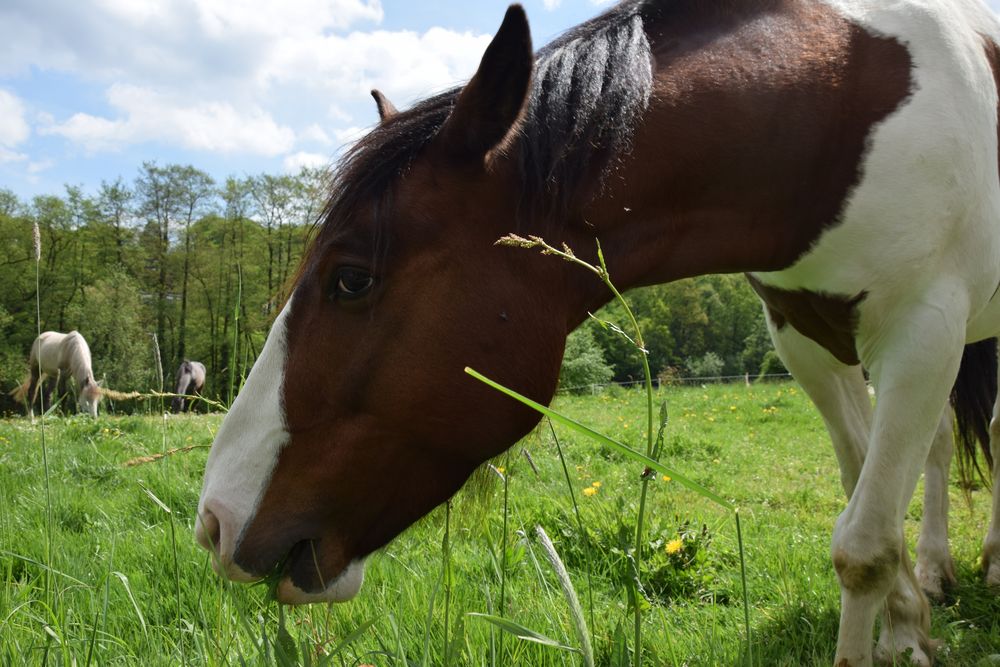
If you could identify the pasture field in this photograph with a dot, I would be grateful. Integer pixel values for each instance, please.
(125, 584)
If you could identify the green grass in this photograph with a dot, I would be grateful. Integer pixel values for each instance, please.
(116, 599)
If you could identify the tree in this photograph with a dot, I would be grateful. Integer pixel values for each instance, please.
(583, 363)
(113, 320)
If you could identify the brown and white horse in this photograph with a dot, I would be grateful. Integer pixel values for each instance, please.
(190, 380)
(54, 354)
(843, 153)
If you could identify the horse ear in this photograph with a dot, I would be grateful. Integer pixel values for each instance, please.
(489, 106)
(386, 109)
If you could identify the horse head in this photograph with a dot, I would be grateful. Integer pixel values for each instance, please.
(90, 396)
(357, 418)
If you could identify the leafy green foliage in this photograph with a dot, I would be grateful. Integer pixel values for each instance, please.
(583, 364)
(168, 254)
(684, 321)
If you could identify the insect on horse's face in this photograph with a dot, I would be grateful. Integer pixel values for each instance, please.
(357, 418)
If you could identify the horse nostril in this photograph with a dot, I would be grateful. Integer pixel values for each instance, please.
(207, 531)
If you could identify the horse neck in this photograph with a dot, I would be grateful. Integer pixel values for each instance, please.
(80, 362)
(732, 168)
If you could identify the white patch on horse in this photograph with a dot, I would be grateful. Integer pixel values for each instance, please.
(245, 453)
(935, 569)
(341, 589)
(919, 234)
(991, 546)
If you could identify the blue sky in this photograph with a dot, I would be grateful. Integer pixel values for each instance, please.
(89, 90)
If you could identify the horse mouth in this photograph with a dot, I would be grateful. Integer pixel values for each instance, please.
(302, 578)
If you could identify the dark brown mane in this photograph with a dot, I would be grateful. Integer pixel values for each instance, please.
(589, 89)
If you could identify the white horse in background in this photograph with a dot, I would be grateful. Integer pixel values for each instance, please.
(53, 356)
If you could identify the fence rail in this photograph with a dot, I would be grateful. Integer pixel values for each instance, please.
(675, 381)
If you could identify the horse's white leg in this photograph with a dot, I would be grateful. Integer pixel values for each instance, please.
(991, 547)
(935, 569)
(839, 393)
(869, 552)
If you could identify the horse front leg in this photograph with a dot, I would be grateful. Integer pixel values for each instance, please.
(991, 546)
(935, 569)
(914, 365)
(32, 389)
(49, 385)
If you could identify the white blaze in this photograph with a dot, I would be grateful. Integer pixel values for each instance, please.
(247, 445)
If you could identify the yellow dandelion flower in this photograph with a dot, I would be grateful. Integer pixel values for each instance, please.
(501, 469)
(590, 491)
(675, 545)
(666, 478)
(596, 485)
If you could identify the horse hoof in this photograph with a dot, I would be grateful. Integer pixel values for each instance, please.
(936, 580)
(993, 577)
(902, 650)
(991, 567)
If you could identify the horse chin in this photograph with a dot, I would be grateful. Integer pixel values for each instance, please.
(343, 588)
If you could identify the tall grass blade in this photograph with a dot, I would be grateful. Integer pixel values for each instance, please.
(579, 522)
(576, 612)
(135, 605)
(523, 633)
(605, 440)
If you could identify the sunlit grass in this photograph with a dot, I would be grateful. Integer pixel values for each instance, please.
(116, 591)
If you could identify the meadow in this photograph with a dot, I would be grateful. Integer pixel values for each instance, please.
(122, 581)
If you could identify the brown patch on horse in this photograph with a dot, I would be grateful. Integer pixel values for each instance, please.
(829, 320)
(865, 575)
(383, 423)
(756, 135)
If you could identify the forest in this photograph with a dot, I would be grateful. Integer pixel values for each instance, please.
(173, 265)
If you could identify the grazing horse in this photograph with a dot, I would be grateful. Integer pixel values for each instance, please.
(842, 153)
(935, 569)
(190, 380)
(55, 354)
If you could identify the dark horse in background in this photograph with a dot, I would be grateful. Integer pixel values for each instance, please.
(842, 153)
(190, 380)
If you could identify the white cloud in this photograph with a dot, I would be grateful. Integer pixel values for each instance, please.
(122, 38)
(316, 134)
(151, 116)
(40, 166)
(293, 163)
(338, 114)
(401, 64)
(11, 156)
(553, 4)
(14, 128)
(296, 17)
(349, 135)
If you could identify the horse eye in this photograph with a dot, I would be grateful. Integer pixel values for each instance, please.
(352, 282)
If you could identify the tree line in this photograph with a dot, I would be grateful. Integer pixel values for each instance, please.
(174, 266)
(167, 267)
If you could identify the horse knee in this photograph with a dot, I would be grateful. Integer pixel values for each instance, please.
(863, 569)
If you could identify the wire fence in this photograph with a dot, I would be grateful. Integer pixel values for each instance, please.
(746, 378)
